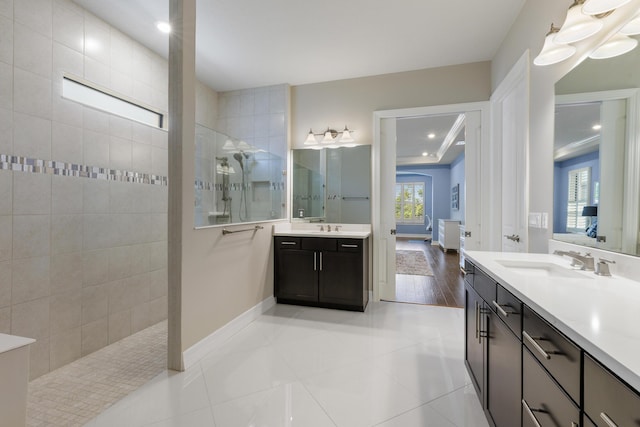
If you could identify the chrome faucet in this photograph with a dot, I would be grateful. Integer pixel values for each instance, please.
(329, 227)
(602, 267)
(585, 262)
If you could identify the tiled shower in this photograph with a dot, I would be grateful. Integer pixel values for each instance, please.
(83, 194)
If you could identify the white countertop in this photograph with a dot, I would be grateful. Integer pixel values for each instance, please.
(600, 314)
(347, 231)
(11, 342)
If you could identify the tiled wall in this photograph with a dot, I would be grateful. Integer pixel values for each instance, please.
(82, 258)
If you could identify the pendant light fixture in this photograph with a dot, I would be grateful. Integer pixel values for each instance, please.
(597, 7)
(577, 26)
(616, 45)
(553, 52)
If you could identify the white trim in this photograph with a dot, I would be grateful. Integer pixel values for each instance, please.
(414, 235)
(196, 352)
(378, 253)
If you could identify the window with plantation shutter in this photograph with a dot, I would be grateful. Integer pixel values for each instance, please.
(578, 198)
(410, 203)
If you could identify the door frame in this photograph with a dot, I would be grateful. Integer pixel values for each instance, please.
(477, 183)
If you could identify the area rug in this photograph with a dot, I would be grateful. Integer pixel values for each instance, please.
(412, 262)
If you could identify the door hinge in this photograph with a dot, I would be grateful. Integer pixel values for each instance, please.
(393, 231)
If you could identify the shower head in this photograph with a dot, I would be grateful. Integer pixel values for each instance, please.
(238, 158)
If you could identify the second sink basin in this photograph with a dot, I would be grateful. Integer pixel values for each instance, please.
(541, 269)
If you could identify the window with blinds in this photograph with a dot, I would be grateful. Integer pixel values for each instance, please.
(578, 198)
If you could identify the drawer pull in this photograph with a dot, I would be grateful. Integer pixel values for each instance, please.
(534, 343)
(349, 246)
(529, 411)
(500, 309)
(607, 420)
(288, 243)
(477, 317)
(320, 261)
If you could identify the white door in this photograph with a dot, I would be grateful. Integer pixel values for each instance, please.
(473, 187)
(387, 238)
(510, 108)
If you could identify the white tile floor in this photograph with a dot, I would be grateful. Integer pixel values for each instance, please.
(396, 365)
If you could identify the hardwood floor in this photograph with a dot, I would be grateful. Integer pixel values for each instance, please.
(445, 287)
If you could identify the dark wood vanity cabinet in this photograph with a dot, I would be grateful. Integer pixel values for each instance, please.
(322, 271)
(492, 349)
(527, 373)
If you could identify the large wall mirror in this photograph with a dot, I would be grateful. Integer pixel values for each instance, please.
(596, 160)
(332, 185)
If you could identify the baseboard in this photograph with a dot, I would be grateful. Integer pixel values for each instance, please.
(196, 352)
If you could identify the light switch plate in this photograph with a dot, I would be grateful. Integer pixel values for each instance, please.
(535, 218)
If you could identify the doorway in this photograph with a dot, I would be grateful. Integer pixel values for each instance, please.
(474, 118)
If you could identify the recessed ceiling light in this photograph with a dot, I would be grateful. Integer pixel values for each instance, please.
(163, 27)
(461, 142)
(425, 154)
(596, 127)
(431, 135)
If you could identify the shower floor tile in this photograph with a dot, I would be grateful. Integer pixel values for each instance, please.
(79, 391)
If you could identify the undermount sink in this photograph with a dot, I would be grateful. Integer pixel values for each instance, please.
(541, 269)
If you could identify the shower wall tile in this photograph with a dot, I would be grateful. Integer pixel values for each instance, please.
(96, 148)
(36, 14)
(38, 357)
(6, 237)
(66, 273)
(121, 83)
(95, 335)
(97, 233)
(6, 8)
(120, 153)
(66, 195)
(66, 313)
(68, 26)
(29, 282)
(158, 255)
(139, 255)
(31, 194)
(120, 264)
(159, 227)
(95, 303)
(6, 86)
(6, 192)
(95, 267)
(32, 50)
(31, 319)
(119, 325)
(141, 134)
(5, 284)
(66, 233)
(141, 63)
(121, 53)
(67, 112)
(6, 125)
(65, 348)
(121, 197)
(142, 198)
(66, 143)
(31, 236)
(31, 94)
(5, 320)
(97, 72)
(159, 161)
(6, 40)
(65, 60)
(99, 34)
(158, 283)
(158, 309)
(140, 317)
(121, 127)
(141, 157)
(95, 120)
(31, 136)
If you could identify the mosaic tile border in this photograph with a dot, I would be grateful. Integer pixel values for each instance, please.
(210, 186)
(52, 167)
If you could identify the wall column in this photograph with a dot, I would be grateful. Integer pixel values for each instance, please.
(182, 101)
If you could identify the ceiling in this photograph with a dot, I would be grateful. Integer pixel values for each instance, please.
(574, 134)
(435, 135)
(253, 43)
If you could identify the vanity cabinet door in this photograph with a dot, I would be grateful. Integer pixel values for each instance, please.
(474, 343)
(296, 275)
(504, 374)
(607, 400)
(544, 403)
(341, 278)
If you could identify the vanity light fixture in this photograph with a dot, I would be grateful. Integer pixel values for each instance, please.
(229, 145)
(632, 27)
(552, 52)
(597, 7)
(616, 45)
(577, 26)
(331, 138)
